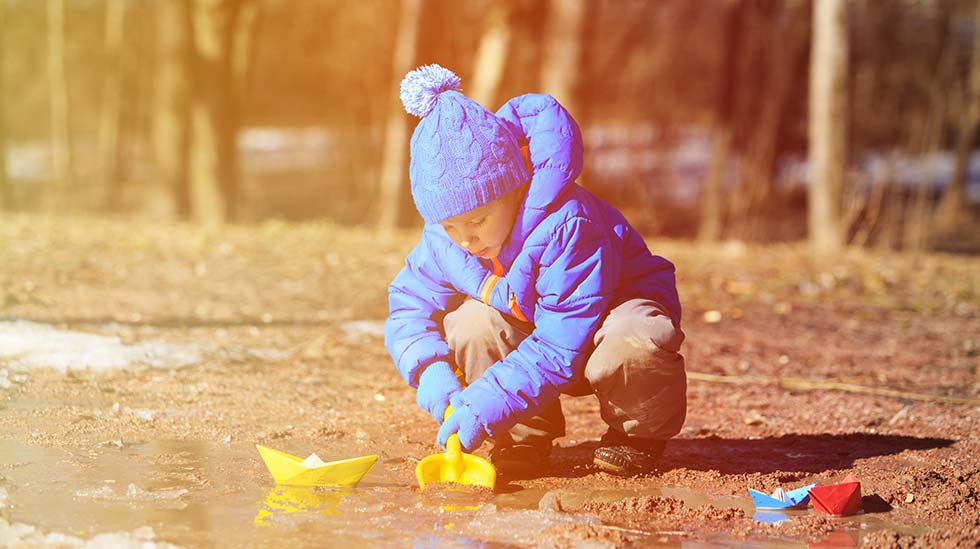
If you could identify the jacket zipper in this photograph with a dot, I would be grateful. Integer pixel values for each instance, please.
(491, 282)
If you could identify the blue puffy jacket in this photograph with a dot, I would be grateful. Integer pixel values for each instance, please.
(569, 259)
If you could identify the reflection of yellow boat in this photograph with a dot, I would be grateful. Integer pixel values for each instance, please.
(288, 469)
(288, 500)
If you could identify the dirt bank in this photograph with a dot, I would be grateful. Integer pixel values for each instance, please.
(315, 294)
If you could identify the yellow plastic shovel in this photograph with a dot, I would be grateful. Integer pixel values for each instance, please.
(455, 466)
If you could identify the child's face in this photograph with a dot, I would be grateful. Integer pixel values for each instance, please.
(484, 230)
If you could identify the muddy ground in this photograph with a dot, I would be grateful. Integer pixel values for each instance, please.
(311, 298)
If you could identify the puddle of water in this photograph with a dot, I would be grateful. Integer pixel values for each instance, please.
(196, 493)
(212, 494)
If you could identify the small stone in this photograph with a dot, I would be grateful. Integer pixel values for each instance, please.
(899, 415)
(712, 317)
(909, 498)
(551, 501)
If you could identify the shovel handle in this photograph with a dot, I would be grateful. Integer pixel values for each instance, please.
(453, 470)
(453, 447)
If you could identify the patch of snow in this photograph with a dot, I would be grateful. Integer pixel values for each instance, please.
(24, 535)
(142, 413)
(133, 494)
(357, 329)
(25, 344)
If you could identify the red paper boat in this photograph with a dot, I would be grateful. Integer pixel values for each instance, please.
(841, 499)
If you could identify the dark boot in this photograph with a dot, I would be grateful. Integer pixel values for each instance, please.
(520, 461)
(627, 456)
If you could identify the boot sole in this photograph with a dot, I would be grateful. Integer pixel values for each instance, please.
(612, 468)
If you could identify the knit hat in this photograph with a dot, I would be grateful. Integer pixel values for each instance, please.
(462, 156)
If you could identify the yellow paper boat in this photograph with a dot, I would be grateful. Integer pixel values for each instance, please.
(288, 469)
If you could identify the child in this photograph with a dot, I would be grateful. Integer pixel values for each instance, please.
(529, 286)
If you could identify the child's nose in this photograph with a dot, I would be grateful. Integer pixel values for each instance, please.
(468, 241)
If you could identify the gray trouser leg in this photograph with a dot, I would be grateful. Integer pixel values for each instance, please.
(636, 372)
(480, 336)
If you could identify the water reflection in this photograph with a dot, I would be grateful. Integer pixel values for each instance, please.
(455, 497)
(769, 517)
(288, 500)
(839, 538)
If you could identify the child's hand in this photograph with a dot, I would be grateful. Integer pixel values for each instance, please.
(463, 422)
(436, 385)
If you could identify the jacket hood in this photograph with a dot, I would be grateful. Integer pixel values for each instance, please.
(555, 150)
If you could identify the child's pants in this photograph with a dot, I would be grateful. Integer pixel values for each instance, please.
(634, 368)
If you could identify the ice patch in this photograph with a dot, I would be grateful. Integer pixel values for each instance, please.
(520, 527)
(133, 494)
(25, 535)
(25, 344)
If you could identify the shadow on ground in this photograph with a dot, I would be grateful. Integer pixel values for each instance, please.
(803, 453)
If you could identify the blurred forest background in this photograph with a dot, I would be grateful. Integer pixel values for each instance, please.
(715, 119)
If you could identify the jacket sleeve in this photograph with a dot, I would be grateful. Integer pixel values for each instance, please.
(418, 299)
(575, 283)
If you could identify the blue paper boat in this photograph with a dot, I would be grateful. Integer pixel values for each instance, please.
(794, 499)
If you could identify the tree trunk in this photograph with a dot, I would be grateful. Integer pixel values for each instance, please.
(111, 119)
(953, 207)
(563, 50)
(709, 227)
(710, 224)
(758, 174)
(243, 50)
(926, 137)
(6, 194)
(872, 215)
(828, 123)
(394, 165)
(491, 55)
(171, 110)
(60, 131)
(214, 171)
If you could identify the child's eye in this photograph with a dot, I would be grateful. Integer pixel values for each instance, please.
(478, 222)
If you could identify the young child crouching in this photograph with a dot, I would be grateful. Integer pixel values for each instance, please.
(529, 286)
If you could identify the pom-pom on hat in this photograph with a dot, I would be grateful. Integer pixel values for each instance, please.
(462, 156)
